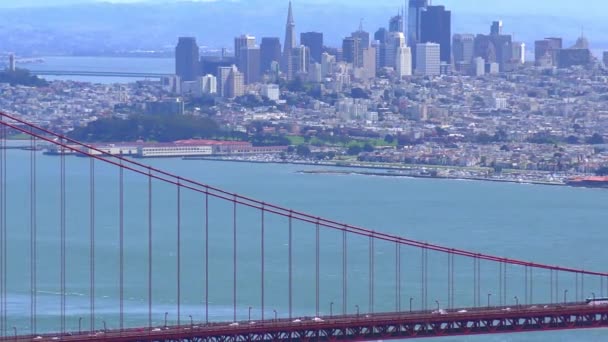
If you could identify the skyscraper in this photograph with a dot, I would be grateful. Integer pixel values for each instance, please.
(223, 75)
(363, 38)
(463, 48)
(12, 65)
(436, 27)
(270, 50)
(290, 44)
(350, 50)
(236, 83)
(428, 59)
(396, 24)
(186, 59)
(240, 43)
(250, 64)
(496, 28)
(547, 49)
(403, 64)
(369, 62)
(415, 9)
(314, 41)
(394, 42)
(301, 59)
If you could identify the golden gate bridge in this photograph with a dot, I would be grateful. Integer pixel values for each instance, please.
(435, 278)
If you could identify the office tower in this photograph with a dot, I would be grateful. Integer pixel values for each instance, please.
(290, 44)
(240, 43)
(463, 48)
(519, 52)
(428, 59)
(369, 62)
(209, 84)
(381, 35)
(270, 50)
(363, 38)
(186, 59)
(436, 27)
(496, 28)
(327, 64)
(394, 42)
(223, 75)
(479, 67)
(251, 67)
(415, 9)
(395, 24)
(403, 64)
(546, 49)
(236, 83)
(314, 73)
(350, 51)
(605, 58)
(301, 59)
(12, 65)
(314, 42)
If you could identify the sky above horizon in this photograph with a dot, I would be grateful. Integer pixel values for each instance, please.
(548, 7)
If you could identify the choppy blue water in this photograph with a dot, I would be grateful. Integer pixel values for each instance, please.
(554, 225)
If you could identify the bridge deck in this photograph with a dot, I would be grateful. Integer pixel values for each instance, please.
(365, 327)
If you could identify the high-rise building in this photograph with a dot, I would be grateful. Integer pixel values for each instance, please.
(369, 62)
(428, 59)
(394, 42)
(314, 73)
(567, 58)
(270, 50)
(479, 67)
(290, 44)
(414, 25)
(546, 49)
(236, 83)
(403, 64)
(327, 64)
(242, 42)
(301, 59)
(396, 23)
(186, 59)
(209, 84)
(415, 9)
(12, 64)
(363, 38)
(381, 35)
(605, 58)
(436, 27)
(350, 51)
(314, 42)
(496, 28)
(250, 65)
(463, 48)
(519, 52)
(223, 76)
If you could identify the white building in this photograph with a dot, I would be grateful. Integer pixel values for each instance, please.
(328, 63)
(519, 52)
(171, 84)
(314, 74)
(403, 65)
(369, 62)
(352, 109)
(174, 151)
(271, 91)
(209, 84)
(428, 61)
(479, 67)
(12, 64)
(394, 42)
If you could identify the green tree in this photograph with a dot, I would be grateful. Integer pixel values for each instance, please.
(303, 151)
(389, 139)
(354, 150)
(595, 139)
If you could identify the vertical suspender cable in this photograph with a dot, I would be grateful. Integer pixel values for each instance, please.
(290, 267)
(234, 257)
(62, 201)
(317, 267)
(262, 231)
(121, 228)
(344, 273)
(33, 236)
(179, 250)
(207, 256)
(92, 242)
(150, 248)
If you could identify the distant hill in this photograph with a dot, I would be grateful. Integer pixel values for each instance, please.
(100, 27)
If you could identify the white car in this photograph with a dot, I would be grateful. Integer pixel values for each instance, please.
(235, 324)
(317, 319)
(462, 311)
(297, 321)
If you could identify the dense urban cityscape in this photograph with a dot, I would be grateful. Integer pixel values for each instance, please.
(414, 98)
